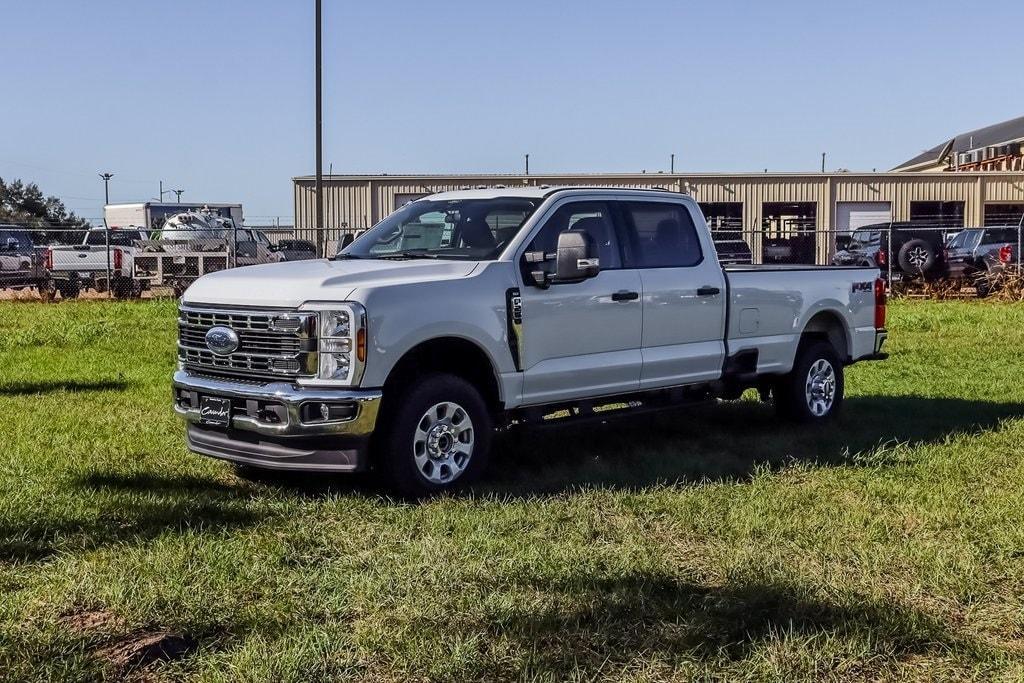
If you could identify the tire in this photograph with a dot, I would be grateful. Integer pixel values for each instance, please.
(47, 290)
(126, 288)
(983, 283)
(813, 391)
(437, 438)
(69, 289)
(916, 256)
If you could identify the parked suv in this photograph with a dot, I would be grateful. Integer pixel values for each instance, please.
(916, 249)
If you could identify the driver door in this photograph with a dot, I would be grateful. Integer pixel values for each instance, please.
(581, 339)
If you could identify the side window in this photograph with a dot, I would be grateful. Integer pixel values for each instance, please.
(593, 218)
(663, 235)
(999, 235)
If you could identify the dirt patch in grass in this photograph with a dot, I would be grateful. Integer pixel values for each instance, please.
(139, 651)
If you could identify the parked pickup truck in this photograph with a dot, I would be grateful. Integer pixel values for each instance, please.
(77, 266)
(470, 311)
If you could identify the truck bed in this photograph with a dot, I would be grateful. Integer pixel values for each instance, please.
(769, 306)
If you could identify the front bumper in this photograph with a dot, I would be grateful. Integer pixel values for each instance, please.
(278, 425)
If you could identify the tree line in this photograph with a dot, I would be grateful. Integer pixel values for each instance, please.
(24, 204)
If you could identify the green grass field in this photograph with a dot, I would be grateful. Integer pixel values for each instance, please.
(713, 543)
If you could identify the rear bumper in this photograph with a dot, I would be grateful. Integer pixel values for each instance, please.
(880, 338)
(278, 425)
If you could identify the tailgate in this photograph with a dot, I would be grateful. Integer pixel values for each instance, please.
(79, 258)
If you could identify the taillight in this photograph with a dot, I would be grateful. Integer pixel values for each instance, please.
(48, 258)
(117, 259)
(1004, 254)
(879, 304)
(882, 258)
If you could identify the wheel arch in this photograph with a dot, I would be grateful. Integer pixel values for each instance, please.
(450, 354)
(828, 325)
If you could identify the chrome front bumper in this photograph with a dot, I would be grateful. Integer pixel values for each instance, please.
(274, 425)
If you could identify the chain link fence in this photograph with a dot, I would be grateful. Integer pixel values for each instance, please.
(56, 263)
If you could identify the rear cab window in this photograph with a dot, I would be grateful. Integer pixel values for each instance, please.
(660, 235)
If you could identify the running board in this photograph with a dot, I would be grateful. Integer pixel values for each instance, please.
(609, 407)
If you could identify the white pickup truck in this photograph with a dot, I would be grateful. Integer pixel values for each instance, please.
(471, 311)
(78, 266)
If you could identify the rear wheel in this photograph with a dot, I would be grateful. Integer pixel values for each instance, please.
(813, 390)
(69, 289)
(436, 439)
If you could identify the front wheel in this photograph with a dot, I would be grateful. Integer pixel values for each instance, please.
(813, 390)
(436, 439)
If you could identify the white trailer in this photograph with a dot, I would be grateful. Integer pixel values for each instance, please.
(152, 215)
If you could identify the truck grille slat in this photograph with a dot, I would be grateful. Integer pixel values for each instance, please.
(272, 344)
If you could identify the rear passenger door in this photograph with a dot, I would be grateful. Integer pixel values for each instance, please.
(683, 291)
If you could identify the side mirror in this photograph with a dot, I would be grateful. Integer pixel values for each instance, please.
(576, 258)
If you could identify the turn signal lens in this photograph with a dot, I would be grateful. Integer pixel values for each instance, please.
(880, 302)
(361, 344)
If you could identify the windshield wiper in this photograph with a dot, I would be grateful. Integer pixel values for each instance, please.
(345, 257)
(408, 254)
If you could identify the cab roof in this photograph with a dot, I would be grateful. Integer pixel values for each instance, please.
(541, 192)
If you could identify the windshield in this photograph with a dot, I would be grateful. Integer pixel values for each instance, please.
(865, 237)
(463, 229)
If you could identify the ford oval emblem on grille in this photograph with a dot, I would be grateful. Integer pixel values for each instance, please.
(222, 340)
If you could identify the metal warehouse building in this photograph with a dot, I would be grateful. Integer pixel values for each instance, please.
(759, 204)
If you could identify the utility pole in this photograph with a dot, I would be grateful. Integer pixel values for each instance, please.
(822, 162)
(672, 164)
(527, 164)
(161, 190)
(319, 191)
(106, 228)
(178, 193)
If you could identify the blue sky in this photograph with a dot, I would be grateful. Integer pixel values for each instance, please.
(217, 97)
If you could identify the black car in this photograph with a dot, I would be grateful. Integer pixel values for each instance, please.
(966, 252)
(733, 252)
(296, 250)
(914, 249)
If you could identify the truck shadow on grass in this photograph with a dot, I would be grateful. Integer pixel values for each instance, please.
(724, 441)
(112, 508)
(591, 624)
(47, 387)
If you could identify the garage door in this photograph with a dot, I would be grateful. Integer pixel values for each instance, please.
(853, 215)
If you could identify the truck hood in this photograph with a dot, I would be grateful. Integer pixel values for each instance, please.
(292, 283)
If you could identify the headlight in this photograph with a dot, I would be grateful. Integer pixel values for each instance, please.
(341, 342)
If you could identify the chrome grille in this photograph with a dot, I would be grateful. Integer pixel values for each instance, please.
(272, 344)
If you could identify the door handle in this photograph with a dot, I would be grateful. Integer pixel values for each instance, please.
(708, 291)
(625, 295)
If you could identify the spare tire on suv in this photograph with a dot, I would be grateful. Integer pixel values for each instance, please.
(917, 256)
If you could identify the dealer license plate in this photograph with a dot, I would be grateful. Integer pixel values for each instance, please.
(215, 411)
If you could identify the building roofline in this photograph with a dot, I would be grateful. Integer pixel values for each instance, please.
(667, 177)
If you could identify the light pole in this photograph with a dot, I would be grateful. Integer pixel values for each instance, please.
(319, 190)
(106, 228)
(527, 164)
(178, 193)
(672, 164)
